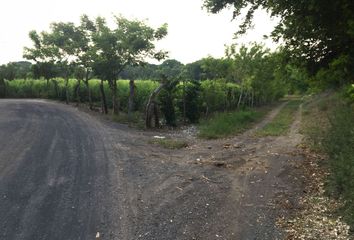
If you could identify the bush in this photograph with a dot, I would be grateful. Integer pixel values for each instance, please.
(189, 100)
(339, 145)
(229, 123)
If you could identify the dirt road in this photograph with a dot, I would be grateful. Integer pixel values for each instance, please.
(65, 174)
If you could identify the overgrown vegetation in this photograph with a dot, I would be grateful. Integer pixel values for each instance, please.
(281, 124)
(339, 145)
(229, 123)
(329, 125)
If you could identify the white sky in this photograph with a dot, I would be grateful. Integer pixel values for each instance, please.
(193, 33)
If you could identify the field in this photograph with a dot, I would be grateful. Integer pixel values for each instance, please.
(213, 96)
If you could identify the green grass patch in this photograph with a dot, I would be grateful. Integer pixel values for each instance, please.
(280, 125)
(229, 123)
(169, 143)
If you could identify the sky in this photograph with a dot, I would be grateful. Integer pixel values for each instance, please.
(193, 32)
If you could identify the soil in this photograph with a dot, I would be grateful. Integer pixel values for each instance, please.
(67, 174)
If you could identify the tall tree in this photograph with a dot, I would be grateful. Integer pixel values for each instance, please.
(85, 53)
(56, 46)
(131, 42)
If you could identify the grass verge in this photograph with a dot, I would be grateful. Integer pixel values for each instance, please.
(169, 143)
(229, 123)
(280, 125)
(329, 127)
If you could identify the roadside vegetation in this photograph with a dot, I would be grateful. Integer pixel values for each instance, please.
(169, 94)
(329, 127)
(229, 123)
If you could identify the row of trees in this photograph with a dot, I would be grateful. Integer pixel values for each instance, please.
(16, 70)
(94, 49)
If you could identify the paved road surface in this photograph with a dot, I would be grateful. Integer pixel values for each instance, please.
(54, 173)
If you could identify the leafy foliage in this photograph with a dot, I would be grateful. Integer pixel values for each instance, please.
(228, 123)
(317, 32)
(166, 99)
(15, 70)
(339, 147)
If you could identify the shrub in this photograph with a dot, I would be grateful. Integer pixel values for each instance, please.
(229, 123)
(339, 145)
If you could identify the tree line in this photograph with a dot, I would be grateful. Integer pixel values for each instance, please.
(92, 49)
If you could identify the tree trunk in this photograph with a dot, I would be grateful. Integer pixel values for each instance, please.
(184, 102)
(2, 88)
(150, 108)
(156, 114)
(67, 90)
(103, 99)
(252, 100)
(131, 99)
(78, 100)
(89, 93)
(56, 89)
(47, 87)
(240, 99)
(115, 100)
(87, 78)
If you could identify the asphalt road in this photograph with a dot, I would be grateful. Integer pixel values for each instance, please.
(69, 175)
(54, 173)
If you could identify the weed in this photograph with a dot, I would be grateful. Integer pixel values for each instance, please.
(229, 123)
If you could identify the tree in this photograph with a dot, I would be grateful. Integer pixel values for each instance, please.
(166, 98)
(85, 53)
(129, 43)
(193, 70)
(171, 68)
(213, 68)
(57, 46)
(316, 32)
(47, 70)
(8, 72)
(254, 68)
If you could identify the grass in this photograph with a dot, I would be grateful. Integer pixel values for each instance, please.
(280, 125)
(229, 123)
(169, 143)
(329, 128)
(339, 146)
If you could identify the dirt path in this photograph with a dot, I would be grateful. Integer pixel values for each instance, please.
(267, 119)
(67, 175)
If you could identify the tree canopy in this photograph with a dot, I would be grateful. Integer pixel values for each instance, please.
(316, 31)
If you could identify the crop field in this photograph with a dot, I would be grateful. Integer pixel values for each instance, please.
(214, 95)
